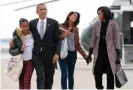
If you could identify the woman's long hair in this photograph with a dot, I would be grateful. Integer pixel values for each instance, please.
(106, 12)
(66, 23)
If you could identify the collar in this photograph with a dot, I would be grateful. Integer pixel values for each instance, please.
(28, 35)
(44, 20)
(98, 22)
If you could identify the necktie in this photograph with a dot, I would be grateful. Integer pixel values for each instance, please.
(42, 29)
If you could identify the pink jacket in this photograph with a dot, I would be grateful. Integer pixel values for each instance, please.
(112, 41)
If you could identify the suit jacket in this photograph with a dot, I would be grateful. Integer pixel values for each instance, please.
(112, 41)
(76, 40)
(50, 43)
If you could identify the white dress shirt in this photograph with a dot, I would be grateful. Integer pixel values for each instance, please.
(39, 24)
(29, 44)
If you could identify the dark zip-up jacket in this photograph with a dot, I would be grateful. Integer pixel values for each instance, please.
(18, 41)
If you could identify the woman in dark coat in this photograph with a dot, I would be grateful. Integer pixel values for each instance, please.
(105, 45)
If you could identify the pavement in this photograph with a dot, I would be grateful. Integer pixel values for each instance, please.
(83, 76)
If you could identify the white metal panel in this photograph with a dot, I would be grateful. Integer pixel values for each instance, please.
(127, 8)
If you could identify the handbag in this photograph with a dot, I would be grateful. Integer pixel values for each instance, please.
(14, 67)
(120, 78)
(64, 47)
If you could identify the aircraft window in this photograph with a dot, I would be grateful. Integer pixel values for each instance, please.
(116, 15)
(131, 25)
(127, 29)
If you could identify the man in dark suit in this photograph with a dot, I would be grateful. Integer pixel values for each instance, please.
(46, 47)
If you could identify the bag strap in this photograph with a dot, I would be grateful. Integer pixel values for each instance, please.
(62, 28)
(120, 67)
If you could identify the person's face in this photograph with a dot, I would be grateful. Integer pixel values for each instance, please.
(42, 11)
(100, 15)
(73, 17)
(25, 27)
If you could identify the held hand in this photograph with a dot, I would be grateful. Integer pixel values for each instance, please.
(88, 59)
(11, 43)
(67, 32)
(55, 58)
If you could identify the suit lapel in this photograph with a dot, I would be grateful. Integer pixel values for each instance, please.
(36, 31)
(36, 22)
(47, 27)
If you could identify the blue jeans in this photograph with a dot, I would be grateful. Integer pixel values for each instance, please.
(67, 67)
